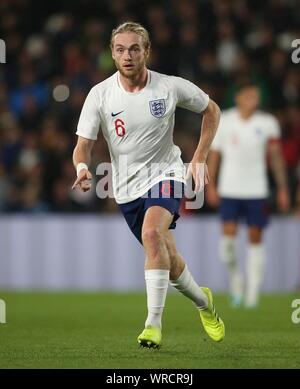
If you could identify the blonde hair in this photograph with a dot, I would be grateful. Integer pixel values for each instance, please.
(131, 27)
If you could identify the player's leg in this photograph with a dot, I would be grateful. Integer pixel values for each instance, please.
(230, 210)
(157, 268)
(255, 264)
(183, 281)
(180, 276)
(229, 258)
(155, 227)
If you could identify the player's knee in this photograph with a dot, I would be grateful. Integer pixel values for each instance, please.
(255, 235)
(152, 236)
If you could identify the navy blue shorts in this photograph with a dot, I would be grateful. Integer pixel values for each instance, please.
(167, 194)
(254, 211)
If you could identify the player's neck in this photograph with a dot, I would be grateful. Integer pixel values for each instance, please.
(245, 114)
(136, 83)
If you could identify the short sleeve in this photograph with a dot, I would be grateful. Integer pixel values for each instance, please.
(189, 95)
(273, 126)
(89, 120)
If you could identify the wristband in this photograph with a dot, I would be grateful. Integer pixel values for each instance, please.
(81, 166)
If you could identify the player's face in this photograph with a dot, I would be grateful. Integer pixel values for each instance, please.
(129, 54)
(248, 99)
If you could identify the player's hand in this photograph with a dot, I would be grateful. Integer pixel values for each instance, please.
(211, 196)
(283, 200)
(83, 181)
(199, 172)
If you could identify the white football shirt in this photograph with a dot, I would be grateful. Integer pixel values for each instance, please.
(138, 128)
(243, 147)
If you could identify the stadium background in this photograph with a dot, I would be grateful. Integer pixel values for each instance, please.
(52, 238)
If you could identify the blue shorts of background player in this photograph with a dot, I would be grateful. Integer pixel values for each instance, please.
(253, 211)
(166, 194)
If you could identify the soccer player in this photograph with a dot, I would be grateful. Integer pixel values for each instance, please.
(245, 137)
(135, 108)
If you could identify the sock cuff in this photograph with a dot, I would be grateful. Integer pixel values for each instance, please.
(157, 274)
(228, 240)
(256, 247)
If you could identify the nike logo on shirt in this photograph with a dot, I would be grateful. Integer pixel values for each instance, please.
(115, 114)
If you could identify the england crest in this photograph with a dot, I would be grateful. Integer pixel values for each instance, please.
(158, 107)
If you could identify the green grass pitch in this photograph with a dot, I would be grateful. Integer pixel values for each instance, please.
(99, 330)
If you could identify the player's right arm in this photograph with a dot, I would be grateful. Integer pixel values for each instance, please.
(87, 130)
(81, 160)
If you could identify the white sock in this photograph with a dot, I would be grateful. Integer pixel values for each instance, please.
(228, 257)
(156, 285)
(255, 271)
(186, 285)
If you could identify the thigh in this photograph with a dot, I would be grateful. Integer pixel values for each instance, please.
(230, 210)
(134, 214)
(167, 195)
(256, 213)
(157, 218)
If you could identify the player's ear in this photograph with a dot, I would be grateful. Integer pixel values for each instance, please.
(147, 52)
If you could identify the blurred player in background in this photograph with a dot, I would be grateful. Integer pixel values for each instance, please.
(246, 136)
(135, 108)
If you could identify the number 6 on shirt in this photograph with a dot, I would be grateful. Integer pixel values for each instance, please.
(119, 127)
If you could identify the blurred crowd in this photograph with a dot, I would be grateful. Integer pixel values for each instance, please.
(56, 51)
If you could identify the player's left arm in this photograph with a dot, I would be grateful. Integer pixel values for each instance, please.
(279, 172)
(198, 167)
